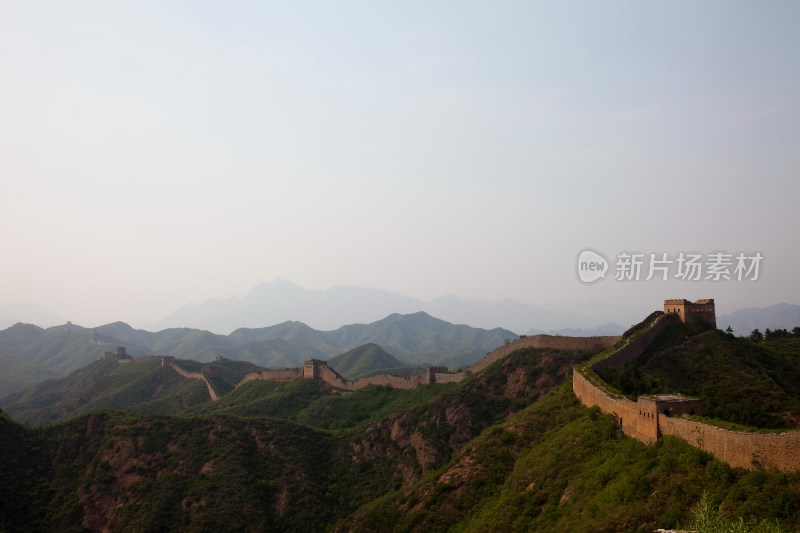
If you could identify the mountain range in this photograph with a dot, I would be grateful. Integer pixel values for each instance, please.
(30, 354)
(11, 313)
(278, 301)
(270, 303)
(145, 386)
(743, 321)
(510, 448)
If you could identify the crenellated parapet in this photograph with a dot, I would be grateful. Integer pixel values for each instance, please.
(699, 310)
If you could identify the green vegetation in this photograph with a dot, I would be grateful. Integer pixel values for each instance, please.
(637, 329)
(142, 386)
(228, 374)
(214, 473)
(139, 386)
(30, 354)
(265, 398)
(508, 449)
(739, 381)
(220, 470)
(706, 518)
(556, 466)
(348, 410)
(365, 359)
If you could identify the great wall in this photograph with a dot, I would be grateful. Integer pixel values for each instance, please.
(192, 375)
(646, 419)
(316, 369)
(651, 417)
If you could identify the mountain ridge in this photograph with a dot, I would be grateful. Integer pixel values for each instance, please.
(364, 359)
(745, 320)
(508, 449)
(328, 309)
(30, 354)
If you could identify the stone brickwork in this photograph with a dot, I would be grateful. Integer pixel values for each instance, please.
(311, 368)
(322, 372)
(121, 354)
(288, 374)
(743, 449)
(446, 377)
(317, 369)
(688, 311)
(171, 363)
(396, 382)
(651, 417)
(624, 409)
(554, 342)
(636, 346)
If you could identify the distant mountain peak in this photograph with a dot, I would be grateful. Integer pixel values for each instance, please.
(278, 284)
(364, 359)
(281, 300)
(22, 326)
(745, 320)
(120, 324)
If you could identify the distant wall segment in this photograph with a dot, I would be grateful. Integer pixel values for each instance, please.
(170, 362)
(317, 369)
(288, 374)
(553, 342)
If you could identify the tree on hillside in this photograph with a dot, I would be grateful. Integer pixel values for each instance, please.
(756, 336)
(775, 334)
(729, 330)
(796, 331)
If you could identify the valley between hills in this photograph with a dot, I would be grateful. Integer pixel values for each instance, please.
(129, 444)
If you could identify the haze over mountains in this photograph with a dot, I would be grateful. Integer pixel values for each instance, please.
(29, 313)
(743, 321)
(280, 300)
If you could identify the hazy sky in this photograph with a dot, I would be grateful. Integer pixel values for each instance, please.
(154, 154)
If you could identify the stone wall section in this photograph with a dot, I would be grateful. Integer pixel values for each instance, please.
(744, 449)
(315, 369)
(191, 375)
(288, 374)
(396, 382)
(444, 377)
(636, 347)
(642, 420)
(554, 342)
(642, 428)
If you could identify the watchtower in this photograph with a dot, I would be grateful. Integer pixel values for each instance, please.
(702, 310)
(311, 368)
(430, 373)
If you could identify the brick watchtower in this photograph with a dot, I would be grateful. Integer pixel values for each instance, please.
(311, 368)
(687, 311)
